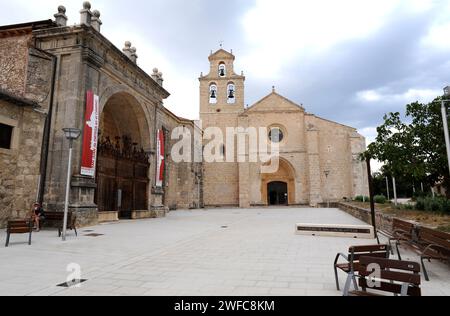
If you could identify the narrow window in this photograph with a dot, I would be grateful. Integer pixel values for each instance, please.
(231, 93)
(213, 94)
(6, 132)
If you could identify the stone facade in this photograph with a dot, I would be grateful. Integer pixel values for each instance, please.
(20, 164)
(54, 65)
(318, 158)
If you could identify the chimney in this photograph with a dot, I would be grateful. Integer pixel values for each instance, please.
(60, 17)
(96, 22)
(86, 14)
(127, 49)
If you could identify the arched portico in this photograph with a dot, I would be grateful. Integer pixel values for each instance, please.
(275, 186)
(123, 163)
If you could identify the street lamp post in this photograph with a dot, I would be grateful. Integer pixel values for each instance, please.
(445, 121)
(372, 197)
(71, 134)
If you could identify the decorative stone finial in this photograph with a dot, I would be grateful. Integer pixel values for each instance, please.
(127, 49)
(86, 14)
(96, 22)
(273, 89)
(134, 56)
(60, 17)
(160, 79)
(86, 5)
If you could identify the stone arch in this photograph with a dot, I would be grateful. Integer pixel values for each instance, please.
(123, 167)
(124, 101)
(285, 174)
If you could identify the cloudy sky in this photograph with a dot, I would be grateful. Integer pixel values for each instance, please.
(350, 60)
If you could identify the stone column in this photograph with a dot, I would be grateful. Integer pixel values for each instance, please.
(243, 165)
(358, 168)
(315, 177)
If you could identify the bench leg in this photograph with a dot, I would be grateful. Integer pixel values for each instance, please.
(75, 229)
(391, 248)
(355, 283)
(337, 278)
(7, 239)
(348, 283)
(29, 238)
(397, 245)
(59, 232)
(425, 272)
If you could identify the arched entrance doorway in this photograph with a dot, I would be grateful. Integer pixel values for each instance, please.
(277, 193)
(279, 188)
(122, 164)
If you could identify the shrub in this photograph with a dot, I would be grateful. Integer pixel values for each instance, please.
(420, 204)
(435, 205)
(361, 198)
(408, 207)
(380, 199)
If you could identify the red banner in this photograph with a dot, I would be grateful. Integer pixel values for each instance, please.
(160, 159)
(90, 137)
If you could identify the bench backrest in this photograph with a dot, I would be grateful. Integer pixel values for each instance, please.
(19, 227)
(403, 226)
(54, 216)
(393, 275)
(434, 237)
(376, 251)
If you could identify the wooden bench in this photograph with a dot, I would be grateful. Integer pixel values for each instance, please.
(56, 219)
(388, 276)
(434, 245)
(403, 232)
(19, 227)
(351, 266)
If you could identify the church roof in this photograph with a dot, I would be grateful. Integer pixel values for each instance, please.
(9, 97)
(221, 54)
(25, 28)
(274, 94)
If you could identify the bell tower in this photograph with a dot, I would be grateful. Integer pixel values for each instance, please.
(222, 90)
(221, 103)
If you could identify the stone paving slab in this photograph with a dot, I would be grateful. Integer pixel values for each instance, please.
(190, 253)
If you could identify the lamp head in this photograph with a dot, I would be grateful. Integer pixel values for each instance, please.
(72, 133)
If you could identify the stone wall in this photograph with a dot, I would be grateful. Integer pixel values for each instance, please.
(383, 222)
(13, 63)
(20, 166)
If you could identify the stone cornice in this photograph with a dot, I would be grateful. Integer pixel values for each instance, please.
(98, 51)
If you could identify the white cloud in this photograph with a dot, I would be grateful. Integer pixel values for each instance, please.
(369, 96)
(437, 37)
(279, 31)
(411, 95)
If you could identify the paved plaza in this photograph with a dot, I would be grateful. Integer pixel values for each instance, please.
(220, 252)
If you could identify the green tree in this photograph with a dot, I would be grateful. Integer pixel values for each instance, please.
(414, 149)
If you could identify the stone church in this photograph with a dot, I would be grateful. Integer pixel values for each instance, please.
(47, 71)
(318, 158)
